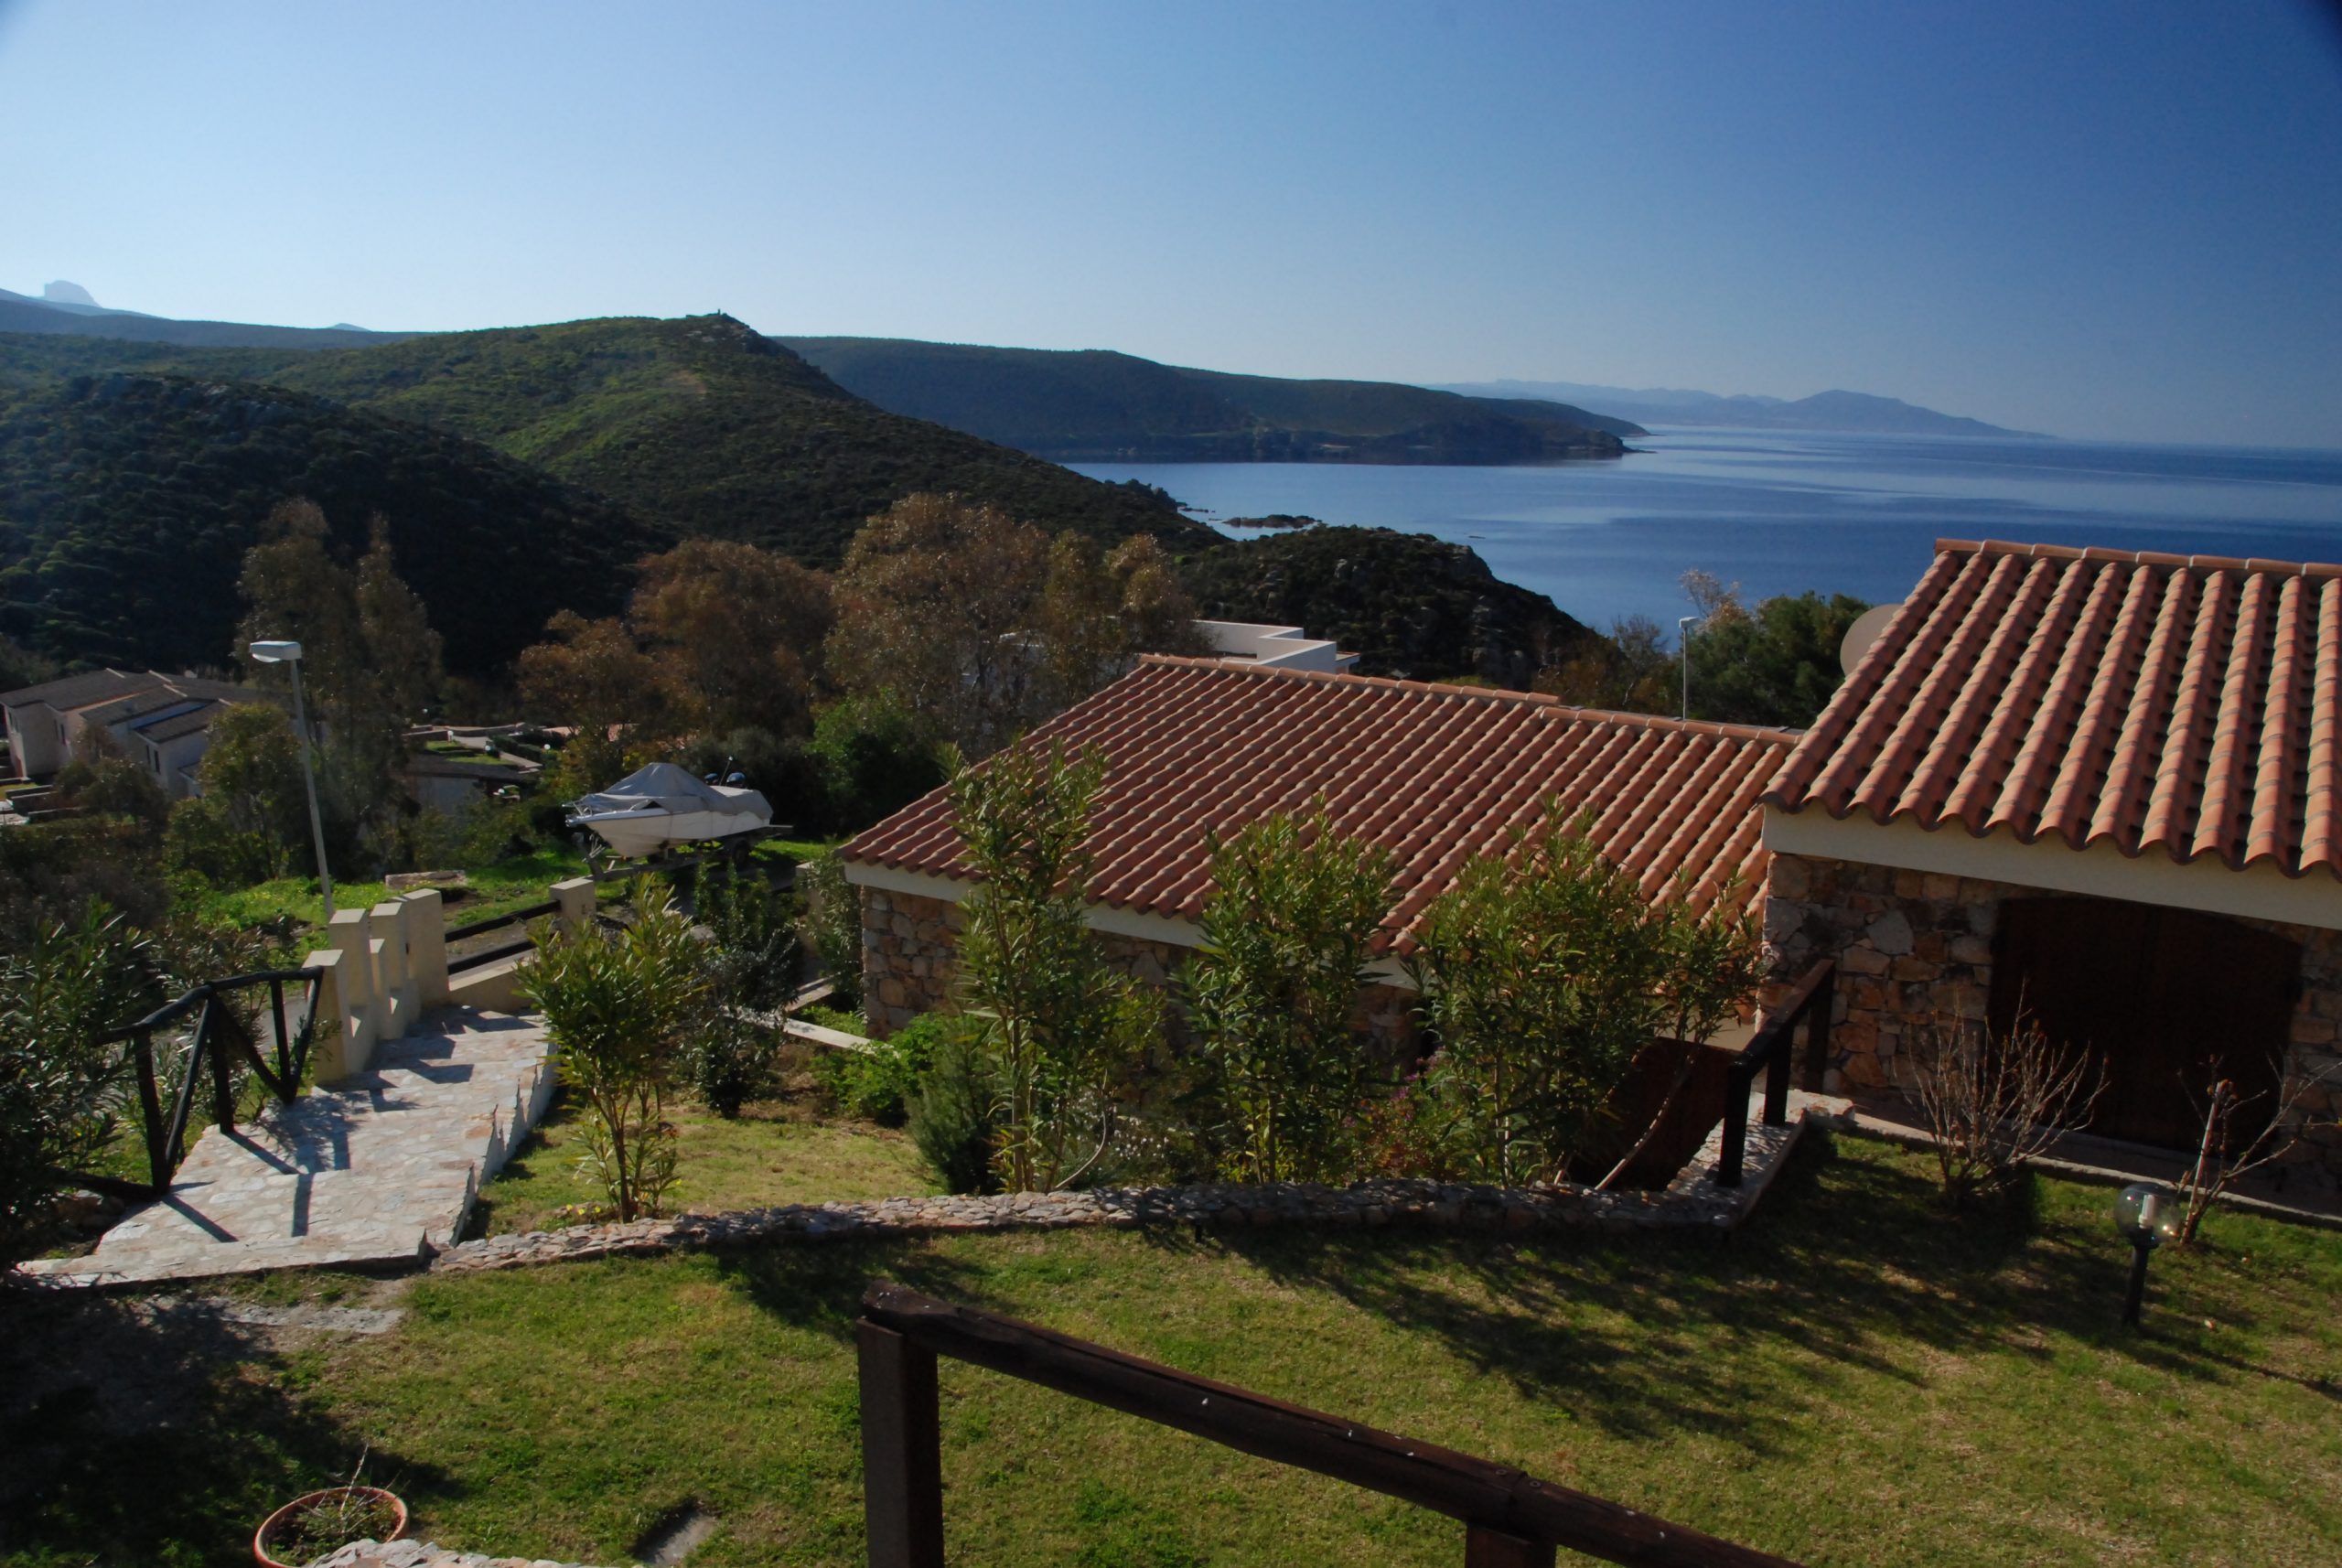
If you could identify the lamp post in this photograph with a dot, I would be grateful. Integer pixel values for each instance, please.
(285, 652)
(1683, 625)
(2147, 1216)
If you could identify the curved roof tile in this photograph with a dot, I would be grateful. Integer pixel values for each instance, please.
(2184, 705)
(1433, 774)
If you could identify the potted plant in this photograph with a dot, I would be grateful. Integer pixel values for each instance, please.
(324, 1523)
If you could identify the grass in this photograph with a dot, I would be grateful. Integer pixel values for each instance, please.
(1853, 1379)
(496, 889)
(773, 1152)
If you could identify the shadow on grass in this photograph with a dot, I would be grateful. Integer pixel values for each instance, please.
(130, 1437)
(1850, 1274)
(1848, 1264)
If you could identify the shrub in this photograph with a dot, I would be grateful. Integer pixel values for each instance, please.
(953, 1116)
(1288, 927)
(59, 1087)
(1543, 972)
(619, 1009)
(833, 927)
(1995, 1103)
(1060, 1027)
(877, 1085)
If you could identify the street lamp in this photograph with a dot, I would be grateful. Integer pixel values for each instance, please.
(2147, 1216)
(290, 653)
(1683, 625)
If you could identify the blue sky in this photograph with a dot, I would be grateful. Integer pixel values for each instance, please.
(2119, 220)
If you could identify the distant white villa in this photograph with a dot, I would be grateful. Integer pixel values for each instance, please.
(1265, 647)
(161, 722)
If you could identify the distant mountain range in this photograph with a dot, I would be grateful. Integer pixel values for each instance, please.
(22, 313)
(1844, 411)
(1096, 405)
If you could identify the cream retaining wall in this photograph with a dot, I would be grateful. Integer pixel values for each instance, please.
(1916, 946)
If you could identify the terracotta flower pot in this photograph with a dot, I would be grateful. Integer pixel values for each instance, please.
(265, 1538)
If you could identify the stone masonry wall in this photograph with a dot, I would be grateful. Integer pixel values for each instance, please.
(1916, 947)
(908, 947)
(909, 943)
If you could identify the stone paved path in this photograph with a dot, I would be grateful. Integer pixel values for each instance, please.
(380, 1168)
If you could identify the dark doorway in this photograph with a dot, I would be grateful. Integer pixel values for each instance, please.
(2155, 995)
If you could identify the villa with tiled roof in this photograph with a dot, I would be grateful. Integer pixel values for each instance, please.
(1433, 774)
(2097, 790)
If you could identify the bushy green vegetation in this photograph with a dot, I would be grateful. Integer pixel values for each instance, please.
(1059, 1026)
(1288, 930)
(713, 428)
(1406, 604)
(127, 503)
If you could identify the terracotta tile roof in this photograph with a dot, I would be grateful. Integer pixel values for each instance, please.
(1435, 774)
(2184, 705)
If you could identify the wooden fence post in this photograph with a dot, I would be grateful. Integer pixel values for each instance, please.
(1487, 1547)
(902, 1450)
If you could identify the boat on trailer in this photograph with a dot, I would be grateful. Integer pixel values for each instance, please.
(660, 805)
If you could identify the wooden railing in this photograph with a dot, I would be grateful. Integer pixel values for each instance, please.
(215, 1049)
(1770, 1052)
(1511, 1519)
(501, 951)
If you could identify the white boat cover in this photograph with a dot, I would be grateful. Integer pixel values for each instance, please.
(663, 786)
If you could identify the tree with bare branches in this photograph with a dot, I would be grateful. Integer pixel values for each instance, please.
(1995, 1102)
(2222, 1156)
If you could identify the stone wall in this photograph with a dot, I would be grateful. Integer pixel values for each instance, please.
(909, 942)
(1692, 1200)
(1916, 947)
(908, 947)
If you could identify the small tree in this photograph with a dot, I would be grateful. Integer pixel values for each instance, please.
(832, 926)
(1714, 958)
(59, 1087)
(1288, 929)
(1995, 1102)
(750, 965)
(2238, 1137)
(1544, 974)
(1059, 1024)
(619, 1008)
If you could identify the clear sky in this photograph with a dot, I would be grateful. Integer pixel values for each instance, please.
(2120, 219)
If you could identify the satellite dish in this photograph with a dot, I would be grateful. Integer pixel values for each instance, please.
(1863, 633)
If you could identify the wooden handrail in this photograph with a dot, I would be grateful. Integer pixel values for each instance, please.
(1810, 1001)
(207, 1055)
(1511, 1517)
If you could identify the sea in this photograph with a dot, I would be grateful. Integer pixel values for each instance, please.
(1780, 512)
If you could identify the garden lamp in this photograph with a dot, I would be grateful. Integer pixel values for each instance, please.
(286, 653)
(2147, 1216)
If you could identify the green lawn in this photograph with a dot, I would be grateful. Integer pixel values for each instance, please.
(773, 1152)
(1853, 1379)
(498, 889)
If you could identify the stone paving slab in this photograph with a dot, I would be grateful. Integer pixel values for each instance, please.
(378, 1169)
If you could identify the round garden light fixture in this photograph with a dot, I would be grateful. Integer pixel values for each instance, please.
(2147, 1216)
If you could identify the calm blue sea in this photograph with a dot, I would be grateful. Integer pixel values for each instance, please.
(1781, 513)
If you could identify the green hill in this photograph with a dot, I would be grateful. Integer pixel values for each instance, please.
(127, 500)
(714, 428)
(1407, 604)
(1100, 406)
